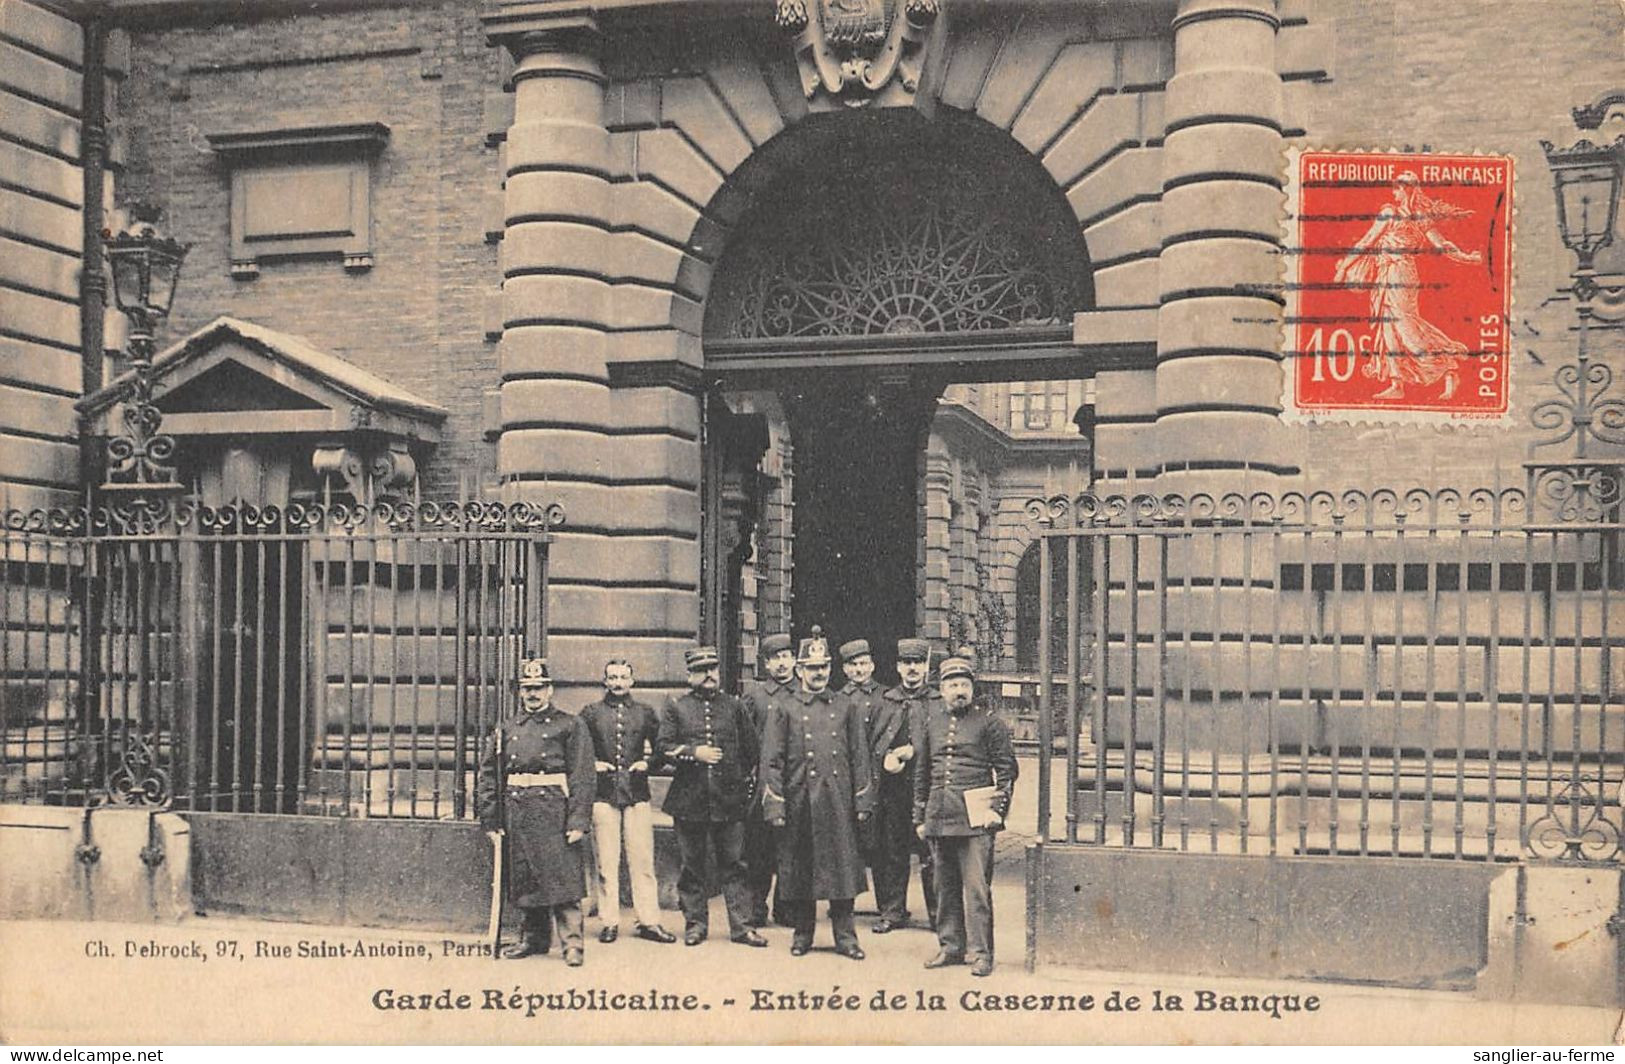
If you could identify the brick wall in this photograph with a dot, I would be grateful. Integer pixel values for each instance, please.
(415, 317)
(1460, 76)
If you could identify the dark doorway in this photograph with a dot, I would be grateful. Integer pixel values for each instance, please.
(251, 729)
(857, 443)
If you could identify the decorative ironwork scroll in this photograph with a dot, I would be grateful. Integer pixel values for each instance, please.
(1585, 412)
(138, 779)
(143, 456)
(1575, 827)
(894, 251)
(1378, 510)
(1576, 491)
(155, 516)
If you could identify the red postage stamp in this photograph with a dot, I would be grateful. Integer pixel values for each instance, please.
(1401, 286)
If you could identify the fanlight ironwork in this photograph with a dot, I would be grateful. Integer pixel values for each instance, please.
(895, 253)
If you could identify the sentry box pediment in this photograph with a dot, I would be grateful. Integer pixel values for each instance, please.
(236, 378)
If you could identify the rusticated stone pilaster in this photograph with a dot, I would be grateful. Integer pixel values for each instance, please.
(1218, 383)
(624, 463)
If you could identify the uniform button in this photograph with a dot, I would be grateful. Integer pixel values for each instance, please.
(834, 772)
(809, 735)
(809, 752)
(812, 772)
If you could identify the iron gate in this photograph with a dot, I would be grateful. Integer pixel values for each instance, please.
(1421, 673)
(319, 659)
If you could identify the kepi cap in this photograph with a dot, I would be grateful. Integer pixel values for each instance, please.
(533, 673)
(701, 657)
(913, 650)
(776, 643)
(955, 667)
(855, 648)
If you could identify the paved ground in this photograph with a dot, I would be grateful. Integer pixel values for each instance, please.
(286, 983)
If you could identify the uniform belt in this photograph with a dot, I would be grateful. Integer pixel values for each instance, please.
(540, 779)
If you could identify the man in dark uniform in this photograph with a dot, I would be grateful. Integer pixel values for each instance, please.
(891, 737)
(861, 690)
(546, 768)
(817, 787)
(625, 733)
(964, 772)
(761, 847)
(708, 737)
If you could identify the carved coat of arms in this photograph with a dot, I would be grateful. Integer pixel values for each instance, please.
(852, 49)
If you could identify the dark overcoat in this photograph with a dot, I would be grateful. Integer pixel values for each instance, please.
(542, 869)
(699, 791)
(897, 722)
(759, 700)
(817, 775)
(865, 699)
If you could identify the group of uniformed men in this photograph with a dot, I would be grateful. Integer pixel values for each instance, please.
(788, 794)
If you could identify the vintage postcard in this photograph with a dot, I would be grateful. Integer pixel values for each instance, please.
(812, 521)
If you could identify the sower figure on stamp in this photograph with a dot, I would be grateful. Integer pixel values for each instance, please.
(708, 737)
(817, 787)
(625, 737)
(898, 719)
(964, 772)
(547, 804)
(1405, 348)
(761, 845)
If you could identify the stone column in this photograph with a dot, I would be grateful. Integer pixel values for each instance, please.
(1219, 330)
(621, 453)
(1219, 326)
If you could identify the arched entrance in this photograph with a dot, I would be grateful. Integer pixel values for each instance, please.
(887, 260)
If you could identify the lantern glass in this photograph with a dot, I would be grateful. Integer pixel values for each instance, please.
(146, 264)
(130, 277)
(164, 271)
(1587, 204)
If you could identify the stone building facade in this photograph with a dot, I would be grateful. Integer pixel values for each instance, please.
(565, 203)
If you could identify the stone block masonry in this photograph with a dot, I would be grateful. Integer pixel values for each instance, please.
(41, 245)
(415, 317)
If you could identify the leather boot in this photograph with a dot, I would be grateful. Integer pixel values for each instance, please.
(535, 936)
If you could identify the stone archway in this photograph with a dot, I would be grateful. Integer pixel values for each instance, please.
(927, 236)
(628, 166)
(953, 231)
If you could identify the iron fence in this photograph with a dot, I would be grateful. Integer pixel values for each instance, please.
(318, 659)
(1422, 673)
